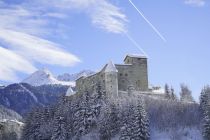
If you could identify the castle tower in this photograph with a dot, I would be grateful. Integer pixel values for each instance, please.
(139, 71)
(111, 80)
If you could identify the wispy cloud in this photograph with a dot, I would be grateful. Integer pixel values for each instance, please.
(108, 17)
(102, 13)
(24, 26)
(36, 49)
(198, 3)
(10, 63)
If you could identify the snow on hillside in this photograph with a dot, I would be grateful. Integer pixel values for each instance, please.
(73, 77)
(45, 77)
(1, 86)
(177, 134)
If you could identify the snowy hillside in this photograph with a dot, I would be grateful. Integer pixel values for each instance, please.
(10, 129)
(93, 116)
(45, 77)
(73, 77)
(7, 114)
(10, 124)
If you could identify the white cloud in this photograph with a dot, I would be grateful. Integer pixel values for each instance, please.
(10, 63)
(36, 49)
(20, 19)
(108, 17)
(197, 3)
(23, 27)
(103, 14)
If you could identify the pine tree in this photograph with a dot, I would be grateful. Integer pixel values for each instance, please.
(31, 130)
(104, 124)
(59, 131)
(167, 92)
(204, 98)
(173, 95)
(110, 124)
(186, 94)
(136, 124)
(205, 109)
(125, 132)
(114, 120)
(83, 115)
(141, 123)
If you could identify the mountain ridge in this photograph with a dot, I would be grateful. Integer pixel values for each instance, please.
(45, 77)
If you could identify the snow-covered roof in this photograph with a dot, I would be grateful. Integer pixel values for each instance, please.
(111, 67)
(70, 92)
(135, 55)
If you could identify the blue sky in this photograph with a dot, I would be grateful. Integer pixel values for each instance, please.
(72, 35)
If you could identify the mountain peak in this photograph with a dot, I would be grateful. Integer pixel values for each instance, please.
(44, 77)
(74, 77)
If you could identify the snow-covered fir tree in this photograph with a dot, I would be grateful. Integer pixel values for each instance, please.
(136, 124)
(59, 129)
(186, 94)
(32, 128)
(205, 109)
(173, 95)
(110, 124)
(141, 122)
(167, 92)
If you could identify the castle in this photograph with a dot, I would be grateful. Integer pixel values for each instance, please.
(118, 77)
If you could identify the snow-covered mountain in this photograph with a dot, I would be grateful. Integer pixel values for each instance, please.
(45, 77)
(22, 97)
(1, 86)
(74, 77)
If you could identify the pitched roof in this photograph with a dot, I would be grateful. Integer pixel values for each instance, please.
(136, 56)
(70, 92)
(110, 67)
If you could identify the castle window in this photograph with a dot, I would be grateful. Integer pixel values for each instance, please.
(126, 74)
(121, 74)
(139, 58)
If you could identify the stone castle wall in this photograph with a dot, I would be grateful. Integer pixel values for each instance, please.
(90, 83)
(131, 74)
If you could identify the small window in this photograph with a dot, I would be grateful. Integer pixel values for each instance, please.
(126, 74)
(139, 58)
(121, 74)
